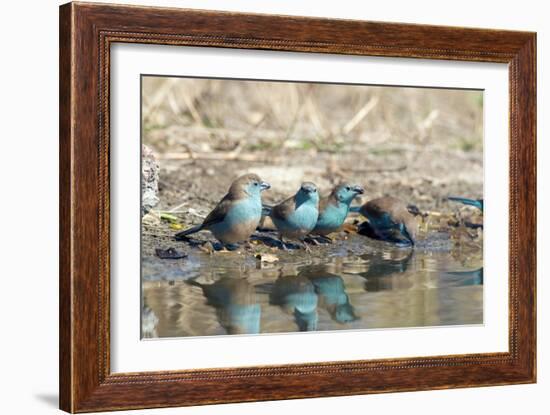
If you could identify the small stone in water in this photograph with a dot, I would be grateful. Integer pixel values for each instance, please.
(170, 253)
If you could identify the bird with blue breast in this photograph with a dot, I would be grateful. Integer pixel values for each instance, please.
(296, 216)
(334, 208)
(237, 215)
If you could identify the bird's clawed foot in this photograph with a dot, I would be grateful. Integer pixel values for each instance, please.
(318, 240)
(312, 240)
(230, 247)
(326, 239)
(305, 246)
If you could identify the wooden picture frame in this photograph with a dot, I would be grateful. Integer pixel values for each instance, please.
(86, 33)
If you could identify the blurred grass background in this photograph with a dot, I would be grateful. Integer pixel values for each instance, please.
(202, 115)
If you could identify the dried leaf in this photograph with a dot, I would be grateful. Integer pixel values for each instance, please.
(349, 228)
(268, 258)
(207, 248)
(169, 218)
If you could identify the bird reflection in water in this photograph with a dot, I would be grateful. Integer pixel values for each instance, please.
(465, 278)
(331, 292)
(149, 323)
(383, 286)
(236, 304)
(296, 295)
(381, 268)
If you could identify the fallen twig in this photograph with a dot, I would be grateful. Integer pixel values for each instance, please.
(378, 170)
(228, 156)
(360, 115)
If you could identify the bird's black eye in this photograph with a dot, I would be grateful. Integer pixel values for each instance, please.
(256, 184)
(348, 188)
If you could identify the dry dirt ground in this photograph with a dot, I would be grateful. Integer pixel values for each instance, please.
(189, 190)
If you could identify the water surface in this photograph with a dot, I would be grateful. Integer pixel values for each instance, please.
(354, 284)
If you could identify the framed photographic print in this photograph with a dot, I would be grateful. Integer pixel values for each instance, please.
(259, 207)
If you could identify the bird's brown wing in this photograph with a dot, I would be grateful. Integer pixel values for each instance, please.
(284, 209)
(371, 209)
(388, 207)
(323, 203)
(218, 213)
(328, 200)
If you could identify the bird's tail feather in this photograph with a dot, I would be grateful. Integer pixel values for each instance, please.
(465, 201)
(266, 210)
(190, 231)
(193, 282)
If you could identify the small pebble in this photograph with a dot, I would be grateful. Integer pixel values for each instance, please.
(170, 253)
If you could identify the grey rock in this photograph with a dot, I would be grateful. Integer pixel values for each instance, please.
(149, 180)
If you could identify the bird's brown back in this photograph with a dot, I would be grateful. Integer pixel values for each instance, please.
(395, 208)
(284, 209)
(325, 201)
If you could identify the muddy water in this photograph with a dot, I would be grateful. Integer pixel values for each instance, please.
(354, 284)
